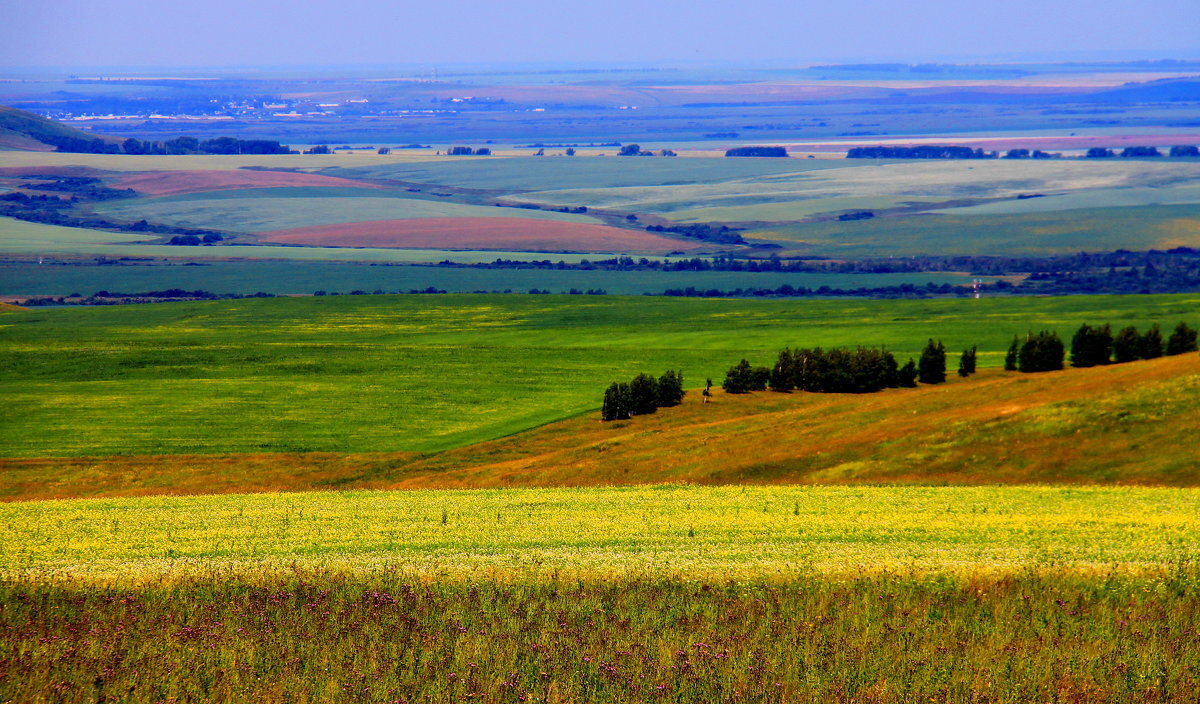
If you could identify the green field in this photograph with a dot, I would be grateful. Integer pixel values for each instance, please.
(426, 373)
(1095, 229)
(520, 174)
(288, 277)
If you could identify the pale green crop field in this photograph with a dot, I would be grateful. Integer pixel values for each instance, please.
(28, 238)
(281, 213)
(694, 532)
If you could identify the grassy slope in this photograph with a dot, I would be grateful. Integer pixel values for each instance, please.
(423, 374)
(25, 130)
(1113, 425)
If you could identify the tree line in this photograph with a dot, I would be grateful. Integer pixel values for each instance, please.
(176, 146)
(867, 370)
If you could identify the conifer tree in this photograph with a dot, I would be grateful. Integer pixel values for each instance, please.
(931, 369)
(1043, 352)
(966, 363)
(1010, 357)
(1127, 345)
(1152, 343)
(1183, 339)
(1091, 346)
(906, 376)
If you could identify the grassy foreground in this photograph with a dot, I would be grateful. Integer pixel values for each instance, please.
(390, 638)
(428, 373)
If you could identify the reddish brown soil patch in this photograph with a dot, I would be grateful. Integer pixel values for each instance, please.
(170, 183)
(517, 234)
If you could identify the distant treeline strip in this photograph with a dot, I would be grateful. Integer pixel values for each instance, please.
(178, 145)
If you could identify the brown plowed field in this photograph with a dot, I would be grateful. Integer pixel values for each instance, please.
(515, 234)
(170, 183)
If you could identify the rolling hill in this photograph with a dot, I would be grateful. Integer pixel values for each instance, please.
(25, 131)
(1107, 425)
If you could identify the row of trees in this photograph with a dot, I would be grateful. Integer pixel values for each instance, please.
(1093, 346)
(1138, 152)
(841, 370)
(191, 145)
(1041, 352)
(642, 395)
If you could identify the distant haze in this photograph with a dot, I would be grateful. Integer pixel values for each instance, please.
(223, 33)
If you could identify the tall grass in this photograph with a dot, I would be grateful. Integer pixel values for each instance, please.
(319, 637)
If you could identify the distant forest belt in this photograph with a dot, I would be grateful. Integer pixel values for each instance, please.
(479, 233)
(1121, 424)
(170, 183)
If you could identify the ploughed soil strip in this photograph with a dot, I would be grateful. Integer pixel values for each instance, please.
(171, 183)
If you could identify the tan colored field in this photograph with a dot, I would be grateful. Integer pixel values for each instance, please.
(1110, 425)
(169, 183)
(514, 234)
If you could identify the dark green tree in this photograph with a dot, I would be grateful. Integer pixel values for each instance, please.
(906, 376)
(1183, 339)
(931, 369)
(1152, 343)
(783, 374)
(643, 395)
(1091, 346)
(630, 150)
(1043, 352)
(737, 378)
(966, 363)
(1127, 345)
(1010, 357)
(616, 402)
(670, 389)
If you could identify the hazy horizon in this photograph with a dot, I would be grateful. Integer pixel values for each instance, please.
(370, 34)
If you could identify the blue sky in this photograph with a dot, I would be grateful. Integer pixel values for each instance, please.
(221, 33)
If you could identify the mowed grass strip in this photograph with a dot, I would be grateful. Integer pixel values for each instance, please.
(710, 532)
(314, 637)
(368, 374)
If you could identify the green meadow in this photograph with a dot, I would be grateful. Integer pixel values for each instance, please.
(427, 373)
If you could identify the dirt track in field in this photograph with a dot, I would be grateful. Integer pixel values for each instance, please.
(170, 183)
(513, 234)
